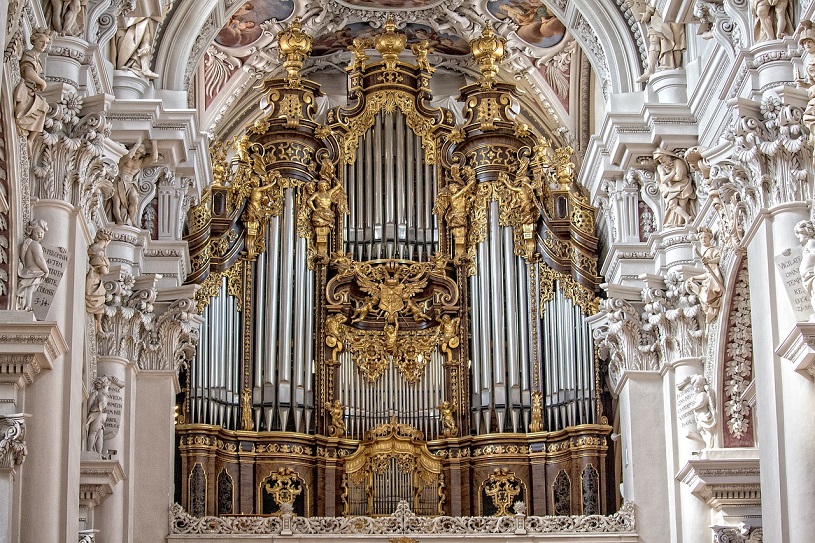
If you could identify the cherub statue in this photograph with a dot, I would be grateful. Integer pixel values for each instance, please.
(446, 410)
(124, 201)
(449, 334)
(704, 407)
(805, 232)
(32, 269)
(337, 412)
(773, 19)
(98, 412)
(676, 187)
(454, 202)
(709, 286)
(807, 41)
(30, 107)
(94, 286)
(666, 41)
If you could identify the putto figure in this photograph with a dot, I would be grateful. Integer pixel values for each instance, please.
(94, 286)
(676, 187)
(125, 198)
(32, 268)
(30, 107)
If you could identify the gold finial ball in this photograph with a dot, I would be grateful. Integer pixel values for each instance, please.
(489, 49)
(389, 43)
(293, 41)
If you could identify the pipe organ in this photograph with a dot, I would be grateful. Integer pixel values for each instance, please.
(395, 304)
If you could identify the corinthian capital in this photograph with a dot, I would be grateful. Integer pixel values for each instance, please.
(12, 445)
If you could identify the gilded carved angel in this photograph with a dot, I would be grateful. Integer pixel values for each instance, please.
(449, 334)
(446, 410)
(320, 206)
(333, 333)
(524, 201)
(336, 411)
(454, 203)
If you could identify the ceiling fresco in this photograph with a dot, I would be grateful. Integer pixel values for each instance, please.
(392, 4)
(444, 44)
(244, 27)
(536, 26)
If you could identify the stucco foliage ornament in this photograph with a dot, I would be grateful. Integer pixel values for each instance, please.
(672, 315)
(738, 359)
(744, 533)
(715, 22)
(13, 449)
(128, 316)
(625, 341)
(403, 521)
(172, 339)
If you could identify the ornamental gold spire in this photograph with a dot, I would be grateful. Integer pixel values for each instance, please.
(390, 44)
(294, 47)
(489, 50)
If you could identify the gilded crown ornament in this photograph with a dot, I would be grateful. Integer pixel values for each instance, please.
(488, 50)
(390, 44)
(294, 47)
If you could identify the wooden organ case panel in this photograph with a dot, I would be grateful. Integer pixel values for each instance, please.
(395, 305)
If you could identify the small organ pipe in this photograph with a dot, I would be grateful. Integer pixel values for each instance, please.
(286, 281)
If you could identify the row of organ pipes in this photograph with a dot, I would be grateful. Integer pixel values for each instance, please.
(390, 216)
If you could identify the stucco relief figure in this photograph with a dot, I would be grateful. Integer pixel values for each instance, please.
(97, 414)
(133, 45)
(32, 269)
(805, 232)
(66, 16)
(94, 286)
(704, 407)
(807, 79)
(709, 286)
(30, 107)
(666, 41)
(676, 187)
(124, 201)
(773, 19)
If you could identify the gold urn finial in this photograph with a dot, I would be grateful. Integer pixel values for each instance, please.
(390, 44)
(294, 47)
(489, 49)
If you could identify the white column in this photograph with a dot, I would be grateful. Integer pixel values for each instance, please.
(784, 398)
(693, 516)
(642, 425)
(50, 495)
(154, 437)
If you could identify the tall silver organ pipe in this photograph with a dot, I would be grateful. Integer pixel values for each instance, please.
(390, 196)
(284, 328)
(214, 378)
(503, 372)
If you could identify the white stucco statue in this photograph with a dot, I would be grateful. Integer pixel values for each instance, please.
(773, 19)
(676, 187)
(666, 41)
(94, 285)
(97, 414)
(124, 201)
(807, 80)
(132, 47)
(66, 16)
(704, 407)
(805, 232)
(30, 107)
(709, 286)
(32, 269)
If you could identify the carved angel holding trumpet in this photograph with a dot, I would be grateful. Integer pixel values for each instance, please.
(319, 207)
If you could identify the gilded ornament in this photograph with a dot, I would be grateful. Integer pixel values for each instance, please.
(502, 486)
(488, 50)
(536, 418)
(294, 46)
(390, 44)
(446, 410)
(247, 423)
(316, 219)
(454, 203)
(337, 412)
(449, 335)
(285, 487)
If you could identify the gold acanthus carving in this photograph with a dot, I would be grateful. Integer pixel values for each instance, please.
(389, 100)
(536, 418)
(211, 286)
(502, 486)
(580, 295)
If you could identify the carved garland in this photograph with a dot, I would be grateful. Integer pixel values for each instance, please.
(738, 365)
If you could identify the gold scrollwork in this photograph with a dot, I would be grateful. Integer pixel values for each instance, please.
(285, 486)
(212, 285)
(536, 418)
(502, 486)
(580, 295)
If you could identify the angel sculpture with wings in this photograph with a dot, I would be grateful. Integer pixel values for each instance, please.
(320, 206)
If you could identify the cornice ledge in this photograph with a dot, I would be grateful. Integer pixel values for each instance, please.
(724, 478)
(27, 347)
(97, 479)
(799, 348)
